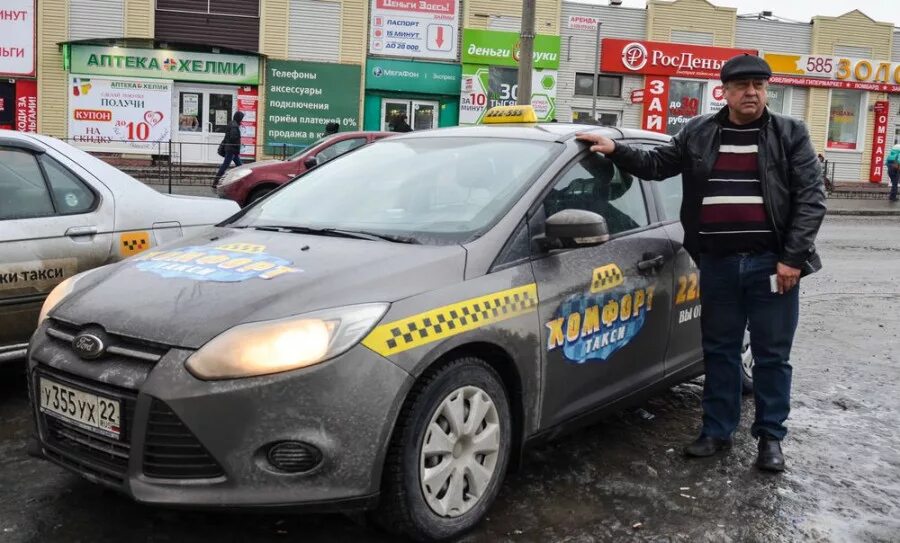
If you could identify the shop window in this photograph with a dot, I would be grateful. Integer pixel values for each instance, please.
(778, 99)
(604, 118)
(190, 104)
(607, 85)
(844, 120)
(220, 111)
(685, 103)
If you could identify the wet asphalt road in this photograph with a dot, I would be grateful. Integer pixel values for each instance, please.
(843, 450)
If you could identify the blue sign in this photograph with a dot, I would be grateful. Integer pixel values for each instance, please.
(228, 263)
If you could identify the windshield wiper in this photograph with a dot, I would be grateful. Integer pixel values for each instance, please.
(371, 236)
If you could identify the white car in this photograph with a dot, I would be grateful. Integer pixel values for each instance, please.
(63, 211)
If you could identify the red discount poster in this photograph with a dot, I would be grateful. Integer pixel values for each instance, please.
(248, 104)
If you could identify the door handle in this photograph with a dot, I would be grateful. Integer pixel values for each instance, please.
(80, 231)
(651, 263)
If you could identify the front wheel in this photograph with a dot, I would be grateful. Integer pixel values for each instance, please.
(449, 453)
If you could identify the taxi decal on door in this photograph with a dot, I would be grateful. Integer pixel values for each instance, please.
(594, 325)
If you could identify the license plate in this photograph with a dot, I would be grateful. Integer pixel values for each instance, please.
(83, 409)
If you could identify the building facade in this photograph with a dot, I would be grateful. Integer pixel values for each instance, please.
(294, 66)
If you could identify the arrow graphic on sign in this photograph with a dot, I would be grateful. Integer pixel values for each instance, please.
(440, 36)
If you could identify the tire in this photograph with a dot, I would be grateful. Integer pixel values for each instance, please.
(258, 193)
(428, 512)
(746, 365)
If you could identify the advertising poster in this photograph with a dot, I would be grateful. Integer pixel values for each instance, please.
(302, 97)
(484, 87)
(248, 103)
(119, 115)
(17, 38)
(415, 29)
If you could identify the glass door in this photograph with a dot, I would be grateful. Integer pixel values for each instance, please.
(425, 115)
(221, 107)
(393, 113)
(202, 114)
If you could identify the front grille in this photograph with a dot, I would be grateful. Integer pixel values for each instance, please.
(139, 350)
(171, 451)
(104, 458)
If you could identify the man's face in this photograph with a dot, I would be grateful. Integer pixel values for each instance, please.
(747, 97)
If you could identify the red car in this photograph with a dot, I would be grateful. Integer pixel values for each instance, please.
(248, 183)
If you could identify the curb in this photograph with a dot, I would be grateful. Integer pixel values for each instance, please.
(864, 212)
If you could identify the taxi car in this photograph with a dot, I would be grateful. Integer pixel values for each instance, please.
(63, 211)
(375, 337)
(250, 182)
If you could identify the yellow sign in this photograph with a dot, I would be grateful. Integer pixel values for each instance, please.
(606, 277)
(132, 243)
(510, 114)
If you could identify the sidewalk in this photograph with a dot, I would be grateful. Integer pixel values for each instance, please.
(863, 207)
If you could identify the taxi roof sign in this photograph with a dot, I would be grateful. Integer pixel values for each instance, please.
(510, 114)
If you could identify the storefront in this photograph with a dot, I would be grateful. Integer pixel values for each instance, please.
(136, 100)
(490, 74)
(18, 68)
(426, 93)
(680, 81)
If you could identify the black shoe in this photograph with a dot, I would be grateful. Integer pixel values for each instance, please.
(707, 446)
(770, 457)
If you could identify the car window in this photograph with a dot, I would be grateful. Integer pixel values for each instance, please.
(70, 194)
(668, 194)
(438, 190)
(339, 149)
(595, 184)
(23, 192)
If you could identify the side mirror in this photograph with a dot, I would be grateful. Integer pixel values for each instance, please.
(577, 227)
(311, 162)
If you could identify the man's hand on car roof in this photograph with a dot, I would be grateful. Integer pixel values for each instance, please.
(599, 144)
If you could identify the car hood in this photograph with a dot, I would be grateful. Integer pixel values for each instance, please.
(263, 164)
(189, 291)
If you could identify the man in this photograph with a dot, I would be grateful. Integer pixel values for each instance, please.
(753, 203)
(230, 148)
(400, 125)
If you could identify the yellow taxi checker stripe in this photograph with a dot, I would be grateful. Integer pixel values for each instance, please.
(606, 277)
(131, 243)
(450, 320)
(243, 247)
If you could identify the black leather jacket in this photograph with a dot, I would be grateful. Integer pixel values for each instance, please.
(790, 175)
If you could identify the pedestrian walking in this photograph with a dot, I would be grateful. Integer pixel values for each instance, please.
(753, 203)
(893, 166)
(230, 148)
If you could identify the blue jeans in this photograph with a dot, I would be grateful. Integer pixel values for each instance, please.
(228, 158)
(735, 292)
(895, 176)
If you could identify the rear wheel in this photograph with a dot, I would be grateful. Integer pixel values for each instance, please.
(449, 453)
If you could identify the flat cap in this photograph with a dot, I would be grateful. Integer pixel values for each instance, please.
(745, 67)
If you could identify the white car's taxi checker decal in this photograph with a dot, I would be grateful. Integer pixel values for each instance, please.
(132, 243)
(450, 320)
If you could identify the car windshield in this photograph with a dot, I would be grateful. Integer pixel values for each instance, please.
(300, 153)
(433, 190)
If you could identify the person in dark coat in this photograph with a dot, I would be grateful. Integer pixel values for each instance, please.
(332, 128)
(400, 125)
(231, 145)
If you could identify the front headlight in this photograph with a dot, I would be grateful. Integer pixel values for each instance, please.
(59, 292)
(261, 348)
(235, 175)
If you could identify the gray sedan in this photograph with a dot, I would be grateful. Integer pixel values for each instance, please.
(63, 211)
(385, 333)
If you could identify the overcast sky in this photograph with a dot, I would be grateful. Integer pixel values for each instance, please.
(887, 11)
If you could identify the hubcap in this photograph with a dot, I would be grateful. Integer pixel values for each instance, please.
(459, 451)
(747, 356)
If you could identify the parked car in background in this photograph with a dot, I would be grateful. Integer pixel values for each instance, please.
(251, 182)
(63, 211)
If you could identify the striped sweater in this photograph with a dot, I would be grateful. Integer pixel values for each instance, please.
(733, 216)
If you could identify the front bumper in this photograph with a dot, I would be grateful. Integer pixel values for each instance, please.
(346, 408)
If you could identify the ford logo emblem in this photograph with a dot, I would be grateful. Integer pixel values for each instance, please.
(88, 346)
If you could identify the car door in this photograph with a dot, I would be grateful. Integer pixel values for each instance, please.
(604, 309)
(53, 225)
(685, 347)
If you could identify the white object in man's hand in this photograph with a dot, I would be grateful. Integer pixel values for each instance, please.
(599, 144)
